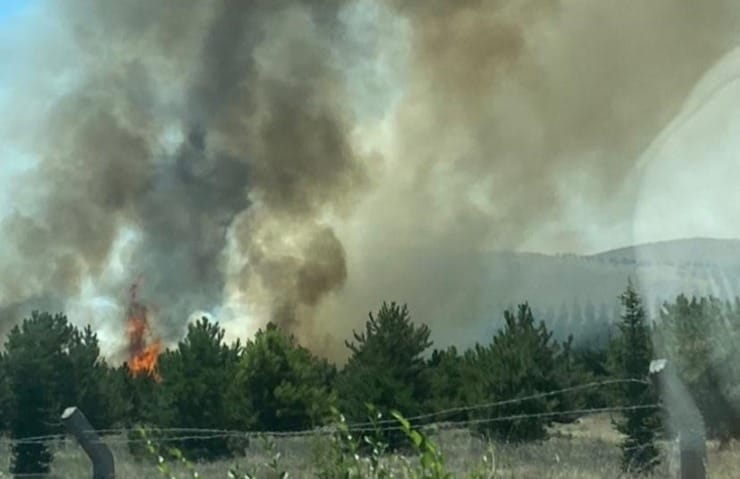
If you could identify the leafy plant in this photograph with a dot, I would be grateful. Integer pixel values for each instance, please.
(431, 459)
(164, 456)
(339, 459)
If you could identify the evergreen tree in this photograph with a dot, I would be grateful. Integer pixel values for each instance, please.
(85, 376)
(521, 361)
(447, 375)
(195, 376)
(593, 360)
(570, 371)
(116, 395)
(4, 397)
(279, 385)
(698, 337)
(33, 352)
(147, 404)
(683, 336)
(632, 354)
(49, 365)
(386, 367)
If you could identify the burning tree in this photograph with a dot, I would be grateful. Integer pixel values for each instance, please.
(143, 350)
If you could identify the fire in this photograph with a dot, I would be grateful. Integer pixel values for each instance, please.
(142, 356)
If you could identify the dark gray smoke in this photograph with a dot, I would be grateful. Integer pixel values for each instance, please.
(301, 161)
(518, 126)
(183, 119)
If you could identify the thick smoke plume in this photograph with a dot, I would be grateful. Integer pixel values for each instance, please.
(186, 123)
(301, 161)
(519, 125)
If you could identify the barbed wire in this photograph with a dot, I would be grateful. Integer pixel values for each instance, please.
(506, 402)
(516, 417)
(192, 434)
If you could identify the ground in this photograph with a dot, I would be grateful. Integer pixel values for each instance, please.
(587, 449)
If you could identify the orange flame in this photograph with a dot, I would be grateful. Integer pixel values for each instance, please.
(142, 356)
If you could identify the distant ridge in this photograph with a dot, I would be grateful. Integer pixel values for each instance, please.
(699, 249)
(579, 294)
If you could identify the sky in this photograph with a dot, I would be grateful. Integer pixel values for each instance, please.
(19, 19)
(9, 8)
(9, 162)
(688, 175)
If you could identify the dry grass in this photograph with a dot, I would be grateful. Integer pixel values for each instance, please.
(583, 450)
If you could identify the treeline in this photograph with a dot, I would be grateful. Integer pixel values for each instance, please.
(272, 383)
(701, 337)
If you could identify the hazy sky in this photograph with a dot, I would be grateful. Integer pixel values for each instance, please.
(700, 151)
(311, 160)
(15, 27)
(688, 178)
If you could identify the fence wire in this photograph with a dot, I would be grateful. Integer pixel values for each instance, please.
(421, 421)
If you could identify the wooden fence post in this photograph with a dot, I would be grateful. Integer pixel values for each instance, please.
(684, 419)
(98, 452)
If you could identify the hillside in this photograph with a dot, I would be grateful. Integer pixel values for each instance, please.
(706, 251)
(580, 293)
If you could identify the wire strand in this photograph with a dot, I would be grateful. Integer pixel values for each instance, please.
(209, 434)
(458, 409)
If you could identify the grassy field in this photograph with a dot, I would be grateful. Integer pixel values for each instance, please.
(584, 450)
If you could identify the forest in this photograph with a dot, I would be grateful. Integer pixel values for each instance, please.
(273, 383)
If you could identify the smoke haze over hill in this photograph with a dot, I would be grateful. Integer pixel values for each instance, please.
(301, 161)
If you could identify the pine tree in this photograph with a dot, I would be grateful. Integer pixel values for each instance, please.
(632, 354)
(4, 397)
(194, 376)
(85, 376)
(34, 350)
(280, 385)
(570, 372)
(147, 405)
(697, 336)
(447, 374)
(386, 368)
(522, 360)
(593, 359)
